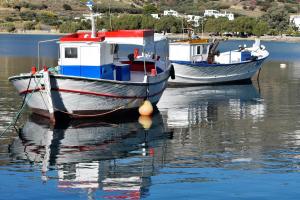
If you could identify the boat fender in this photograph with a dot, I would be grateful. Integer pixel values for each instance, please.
(146, 109)
(253, 58)
(33, 70)
(172, 72)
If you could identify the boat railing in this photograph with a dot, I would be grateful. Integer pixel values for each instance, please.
(199, 58)
(42, 42)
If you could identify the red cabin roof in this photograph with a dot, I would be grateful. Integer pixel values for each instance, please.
(130, 33)
(86, 36)
(82, 37)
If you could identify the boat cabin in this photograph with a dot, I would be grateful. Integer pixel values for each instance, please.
(82, 55)
(95, 57)
(201, 50)
(190, 50)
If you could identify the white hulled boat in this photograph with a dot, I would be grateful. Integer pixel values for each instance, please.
(90, 81)
(196, 61)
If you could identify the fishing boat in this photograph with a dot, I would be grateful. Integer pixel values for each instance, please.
(197, 61)
(91, 81)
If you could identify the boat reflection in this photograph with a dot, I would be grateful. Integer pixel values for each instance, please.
(109, 159)
(205, 105)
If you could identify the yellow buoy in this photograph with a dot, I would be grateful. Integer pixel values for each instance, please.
(145, 121)
(146, 108)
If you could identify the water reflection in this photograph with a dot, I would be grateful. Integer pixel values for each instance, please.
(206, 105)
(111, 159)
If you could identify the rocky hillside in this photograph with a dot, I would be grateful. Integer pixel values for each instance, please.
(240, 7)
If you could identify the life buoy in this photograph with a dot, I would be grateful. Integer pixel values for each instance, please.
(172, 72)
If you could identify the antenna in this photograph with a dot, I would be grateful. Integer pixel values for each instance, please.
(109, 11)
(90, 5)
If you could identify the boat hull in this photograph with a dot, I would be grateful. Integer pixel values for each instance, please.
(80, 97)
(198, 74)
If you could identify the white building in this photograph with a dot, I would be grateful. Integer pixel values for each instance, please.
(171, 13)
(216, 14)
(295, 19)
(155, 16)
(194, 19)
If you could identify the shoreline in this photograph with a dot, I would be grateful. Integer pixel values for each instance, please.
(173, 36)
(277, 38)
(32, 33)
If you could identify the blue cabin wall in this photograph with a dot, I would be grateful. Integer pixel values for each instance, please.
(122, 72)
(104, 71)
(90, 60)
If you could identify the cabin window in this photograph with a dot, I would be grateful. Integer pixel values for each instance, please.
(71, 52)
(198, 52)
(205, 48)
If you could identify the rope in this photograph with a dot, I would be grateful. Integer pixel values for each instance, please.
(96, 115)
(21, 109)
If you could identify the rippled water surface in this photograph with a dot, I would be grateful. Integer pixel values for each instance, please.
(209, 142)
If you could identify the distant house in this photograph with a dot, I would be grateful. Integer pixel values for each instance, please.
(194, 20)
(295, 19)
(171, 13)
(217, 14)
(155, 16)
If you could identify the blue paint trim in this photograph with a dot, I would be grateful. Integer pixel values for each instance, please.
(107, 65)
(103, 71)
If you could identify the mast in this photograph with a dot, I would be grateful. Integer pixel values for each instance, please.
(90, 5)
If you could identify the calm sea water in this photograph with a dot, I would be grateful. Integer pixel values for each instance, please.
(211, 142)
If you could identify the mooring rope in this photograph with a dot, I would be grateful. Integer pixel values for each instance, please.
(21, 109)
(99, 114)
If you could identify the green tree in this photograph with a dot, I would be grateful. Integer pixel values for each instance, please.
(28, 15)
(29, 25)
(277, 18)
(244, 24)
(85, 25)
(219, 25)
(48, 18)
(67, 7)
(173, 29)
(291, 31)
(260, 28)
(69, 27)
(149, 9)
(127, 21)
(166, 23)
(222, 24)
(148, 22)
(8, 26)
(103, 23)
